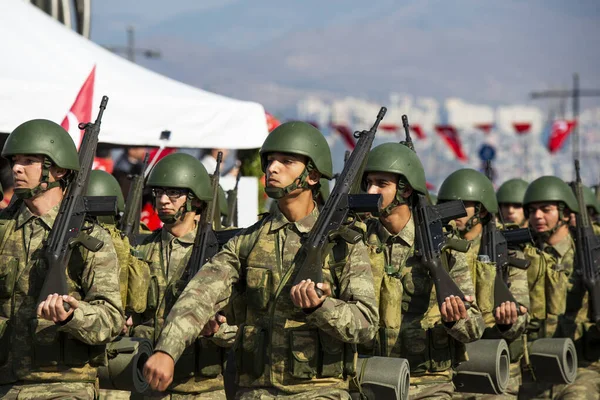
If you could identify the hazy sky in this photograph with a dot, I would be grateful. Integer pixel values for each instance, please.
(277, 52)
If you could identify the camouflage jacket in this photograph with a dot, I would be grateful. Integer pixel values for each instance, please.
(280, 345)
(168, 258)
(410, 321)
(484, 275)
(35, 349)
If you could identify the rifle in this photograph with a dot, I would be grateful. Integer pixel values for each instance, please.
(331, 223)
(206, 244)
(587, 251)
(231, 218)
(430, 239)
(495, 244)
(489, 171)
(130, 221)
(69, 230)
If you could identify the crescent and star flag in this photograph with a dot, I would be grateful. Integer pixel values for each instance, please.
(346, 134)
(450, 136)
(522, 128)
(272, 122)
(81, 110)
(560, 130)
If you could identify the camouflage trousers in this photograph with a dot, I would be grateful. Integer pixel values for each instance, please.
(47, 391)
(106, 394)
(437, 390)
(274, 394)
(214, 395)
(514, 381)
(586, 386)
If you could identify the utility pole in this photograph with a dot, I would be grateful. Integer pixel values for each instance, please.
(130, 50)
(575, 94)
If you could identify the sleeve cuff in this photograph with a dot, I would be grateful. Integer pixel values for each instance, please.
(75, 321)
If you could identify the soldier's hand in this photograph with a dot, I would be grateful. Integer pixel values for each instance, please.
(128, 324)
(158, 371)
(506, 313)
(453, 309)
(52, 309)
(213, 325)
(304, 295)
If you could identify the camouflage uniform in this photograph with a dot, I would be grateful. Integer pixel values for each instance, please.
(60, 358)
(168, 257)
(280, 349)
(410, 322)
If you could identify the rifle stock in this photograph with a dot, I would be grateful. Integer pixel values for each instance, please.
(587, 251)
(332, 218)
(68, 229)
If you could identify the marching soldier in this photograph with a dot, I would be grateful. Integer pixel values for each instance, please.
(45, 351)
(291, 341)
(412, 326)
(510, 199)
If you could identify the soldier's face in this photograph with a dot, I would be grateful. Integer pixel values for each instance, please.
(27, 171)
(169, 200)
(284, 168)
(512, 213)
(383, 183)
(461, 223)
(543, 216)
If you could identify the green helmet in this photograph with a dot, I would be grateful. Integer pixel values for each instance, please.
(301, 138)
(398, 159)
(590, 199)
(222, 202)
(102, 183)
(297, 137)
(180, 170)
(550, 188)
(469, 185)
(324, 190)
(512, 191)
(43, 137)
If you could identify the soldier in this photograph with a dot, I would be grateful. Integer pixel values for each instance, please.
(292, 342)
(593, 208)
(180, 186)
(549, 203)
(510, 199)
(47, 352)
(477, 193)
(430, 338)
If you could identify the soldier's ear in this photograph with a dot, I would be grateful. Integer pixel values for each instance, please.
(313, 177)
(408, 191)
(58, 173)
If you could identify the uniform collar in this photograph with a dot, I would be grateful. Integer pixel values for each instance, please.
(304, 225)
(406, 235)
(188, 238)
(562, 247)
(48, 219)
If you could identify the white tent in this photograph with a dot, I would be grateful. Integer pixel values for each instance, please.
(43, 65)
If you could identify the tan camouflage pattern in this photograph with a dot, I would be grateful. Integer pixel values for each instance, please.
(271, 394)
(168, 257)
(278, 344)
(49, 391)
(410, 322)
(212, 395)
(38, 350)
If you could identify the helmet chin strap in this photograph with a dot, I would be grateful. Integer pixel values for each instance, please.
(546, 235)
(179, 215)
(473, 221)
(398, 199)
(298, 183)
(25, 194)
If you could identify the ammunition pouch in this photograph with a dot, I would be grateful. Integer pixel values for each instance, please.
(553, 360)
(258, 288)
(431, 350)
(382, 378)
(153, 294)
(485, 274)
(250, 351)
(138, 282)
(4, 339)
(8, 275)
(557, 281)
(126, 359)
(202, 359)
(54, 348)
(487, 370)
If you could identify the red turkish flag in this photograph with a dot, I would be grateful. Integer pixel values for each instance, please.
(346, 134)
(450, 136)
(81, 110)
(388, 128)
(522, 128)
(561, 129)
(272, 122)
(486, 128)
(418, 131)
(104, 164)
(150, 218)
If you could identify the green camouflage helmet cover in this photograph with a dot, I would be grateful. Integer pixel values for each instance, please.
(469, 185)
(512, 191)
(180, 170)
(43, 137)
(297, 137)
(398, 159)
(102, 183)
(550, 189)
